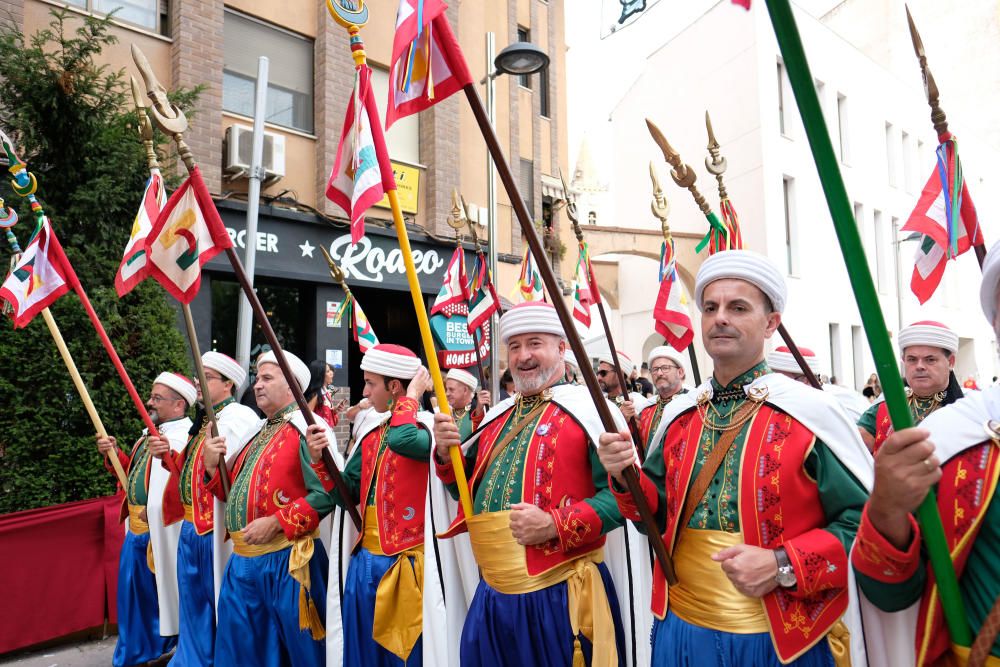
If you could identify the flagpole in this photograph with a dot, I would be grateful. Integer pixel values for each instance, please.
(793, 53)
(497, 309)
(353, 21)
(74, 373)
(630, 475)
(633, 424)
(171, 120)
(24, 185)
(660, 208)
(146, 133)
(685, 177)
(938, 117)
(457, 221)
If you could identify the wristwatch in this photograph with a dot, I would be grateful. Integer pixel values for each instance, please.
(786, 573)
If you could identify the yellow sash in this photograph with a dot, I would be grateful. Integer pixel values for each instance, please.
(399, 598)
(959, 657)
(139, 527)
(705, 596)
(503, 564)
(298, 569)
(189, 514)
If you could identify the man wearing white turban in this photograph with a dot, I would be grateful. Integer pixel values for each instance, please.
(459, 386)
(927, 350)
(629, 402)
(199, 567)
(273, 594)
(667, 371)
(955, 450)
(147, 589)
(542, 514)
(758, 482)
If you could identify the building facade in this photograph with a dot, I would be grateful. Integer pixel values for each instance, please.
(216, 45)
(726, 61)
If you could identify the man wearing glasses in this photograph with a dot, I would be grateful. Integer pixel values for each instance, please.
(630, 403)
(147, 576)
(668, 379)
(199, 575)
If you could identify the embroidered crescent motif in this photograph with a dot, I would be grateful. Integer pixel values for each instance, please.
(409, 513)
(280, 499)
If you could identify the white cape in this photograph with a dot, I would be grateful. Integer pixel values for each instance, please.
(853, 403)
(164, 538)
(447, 559)
(237, 424)
(626, 551)
(820, 412)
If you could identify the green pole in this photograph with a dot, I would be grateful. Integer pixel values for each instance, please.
(801, 80)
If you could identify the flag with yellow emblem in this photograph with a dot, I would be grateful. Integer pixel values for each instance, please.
(133, 267)
(187, 233)
(37, 279)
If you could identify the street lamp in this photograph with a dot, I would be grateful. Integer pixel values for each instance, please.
(520, 58)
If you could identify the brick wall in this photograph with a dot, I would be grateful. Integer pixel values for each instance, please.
(12, 11)
(196, 57)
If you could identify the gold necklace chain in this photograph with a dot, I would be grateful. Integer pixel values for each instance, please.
(738, 423)
(914, 404)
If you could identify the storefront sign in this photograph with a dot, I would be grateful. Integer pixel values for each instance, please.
(454, 342)
(289, 248)
(407, 187)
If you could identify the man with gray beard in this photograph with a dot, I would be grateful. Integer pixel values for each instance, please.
(668, 378)
(541, 510)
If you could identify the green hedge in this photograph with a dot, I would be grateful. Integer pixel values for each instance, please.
(74, 126)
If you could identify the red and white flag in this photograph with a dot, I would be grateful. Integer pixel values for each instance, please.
(427, 62)
(670, 312)
(187, 233)
(362, 173)
(453, 298)
(133, 268)
(947, 219)
(483, 299)
(585, 293)
(37, 279)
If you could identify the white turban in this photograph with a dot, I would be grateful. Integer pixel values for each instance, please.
(229, 367)
(465, 377)
(180, 384)
(746, 265)
(665, 351)
(299, 369)
(988, 288)
(782, 360)
(530, 317)
(391, 361)
(623, 359)
(931, 334)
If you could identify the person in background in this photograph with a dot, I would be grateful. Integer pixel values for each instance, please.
(506, 385)
(318, 394)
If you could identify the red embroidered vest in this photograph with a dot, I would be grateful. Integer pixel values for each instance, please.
(400, 492)
(968, 483)
(771, 469)
(557, 479)
(202, 500)
(646, 428)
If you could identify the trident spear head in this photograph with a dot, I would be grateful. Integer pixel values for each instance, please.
(166, 115)
(335, 271)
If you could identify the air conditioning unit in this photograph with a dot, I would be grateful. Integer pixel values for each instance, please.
(239, 146)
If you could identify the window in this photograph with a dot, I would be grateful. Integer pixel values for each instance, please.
(890, 153)
(782, 124)
(403, 138)
(290, 71)
(858, 350)
(144, 13)
(834, 352)
(881, 279)
(859, 219)
(527, 184)
(543, 90)
(524, 35)
(788, 192)
(907, 161)
(842, 127)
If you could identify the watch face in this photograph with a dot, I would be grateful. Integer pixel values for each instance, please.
(785, 578)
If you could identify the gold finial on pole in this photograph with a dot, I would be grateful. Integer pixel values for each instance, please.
(716, 164)
(167, 116)
(571, 212)
(938, 117)
(659, 206)
(145, 127)
(682, 174)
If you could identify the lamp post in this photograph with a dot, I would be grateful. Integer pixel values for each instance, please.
(520, 58)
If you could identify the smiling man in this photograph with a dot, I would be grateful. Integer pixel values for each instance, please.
(542, 508)
(928, 351)
(758, 483)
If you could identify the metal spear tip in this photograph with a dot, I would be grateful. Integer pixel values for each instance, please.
(137, 96)
(669, 154)
(712, 142)
(918, 44)
(455, 218)
(335, 271)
